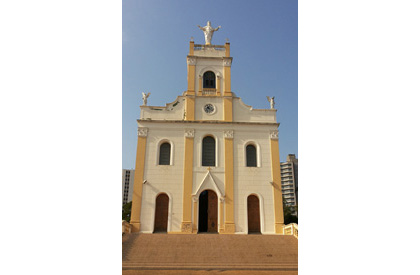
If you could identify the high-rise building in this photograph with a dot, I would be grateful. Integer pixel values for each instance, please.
(289, 180)
(127, 185)
(206, 161)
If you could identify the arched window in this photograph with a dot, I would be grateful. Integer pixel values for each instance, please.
(165, 154)
(208, 152)
(251, 156)
(209, 80)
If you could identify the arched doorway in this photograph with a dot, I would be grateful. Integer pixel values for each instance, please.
(207, 213)
(253, 214)
(161, 213)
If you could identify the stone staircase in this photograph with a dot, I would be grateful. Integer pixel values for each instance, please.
(209, 252)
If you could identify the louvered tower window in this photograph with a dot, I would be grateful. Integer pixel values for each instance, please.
(164, 154)
(209, 80)
(209, 152)
(251, 156)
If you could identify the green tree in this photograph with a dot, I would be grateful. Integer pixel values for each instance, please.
(126, 212)
(289, 213)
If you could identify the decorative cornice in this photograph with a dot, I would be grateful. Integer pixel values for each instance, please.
(227, 62)
(228, 134)
(189, 133)
(142, 131)
(209, 121)
(274, 134)
(191, 60)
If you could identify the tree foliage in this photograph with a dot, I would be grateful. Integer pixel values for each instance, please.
(289, 213)
(126, 212)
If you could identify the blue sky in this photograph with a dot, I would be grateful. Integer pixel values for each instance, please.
(264, 47)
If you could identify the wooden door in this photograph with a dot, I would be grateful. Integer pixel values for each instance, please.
(212, 212)
(253, 214)
(161, 213)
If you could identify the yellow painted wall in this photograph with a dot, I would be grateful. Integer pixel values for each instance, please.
(138, 184)
(189, 108)
(191, 79)
(278, 199)
(226, 82)
(186, 225)
(229, 198)
(227, 109)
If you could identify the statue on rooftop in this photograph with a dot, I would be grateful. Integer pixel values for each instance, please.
(145, 96)
(208, 32)
(271, 100)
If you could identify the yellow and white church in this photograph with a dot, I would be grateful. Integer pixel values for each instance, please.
(207, 162)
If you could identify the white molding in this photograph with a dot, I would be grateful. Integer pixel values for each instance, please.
(274, 134)
(228, 134)
(189, 133)
(192, 60)
(257, 146)
(200, 150)
(227, 62)
(210, 68)
(142, 131)
(171, 159)
(212, 186)
(213, 183)
(214, 106)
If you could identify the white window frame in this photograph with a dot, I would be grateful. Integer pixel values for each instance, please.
(171, 159)
(257, 147)
(200, 151)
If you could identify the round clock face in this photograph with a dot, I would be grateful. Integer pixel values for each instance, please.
(209, 108)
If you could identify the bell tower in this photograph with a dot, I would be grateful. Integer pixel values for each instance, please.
(208, 75)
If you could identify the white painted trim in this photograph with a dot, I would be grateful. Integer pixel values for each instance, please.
(210, 68)
(169, 227)
(215, 189)
(218, 210)
(171, 159)
(214, 106)
(262, 217)
(216, 73)
(200, 150)
(257, 146)
(213, 182)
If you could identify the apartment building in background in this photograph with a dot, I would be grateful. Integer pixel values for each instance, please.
(127, 185)
(289, 180)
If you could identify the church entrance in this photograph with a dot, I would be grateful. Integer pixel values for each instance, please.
(207, 213)
(253, 214)
(161, 213)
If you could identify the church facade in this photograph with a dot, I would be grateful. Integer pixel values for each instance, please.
(207, 162)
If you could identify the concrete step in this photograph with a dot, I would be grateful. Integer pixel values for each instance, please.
(209, 252)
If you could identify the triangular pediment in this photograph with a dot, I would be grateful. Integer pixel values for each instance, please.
(208, 182)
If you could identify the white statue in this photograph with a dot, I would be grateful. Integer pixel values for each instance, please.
(271, 100)
(208, 32)
(145, 98)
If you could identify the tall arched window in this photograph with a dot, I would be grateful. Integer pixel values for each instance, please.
(209, 152)
(209, 80)
(165, 154)
(251, 156)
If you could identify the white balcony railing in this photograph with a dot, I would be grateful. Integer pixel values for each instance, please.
(291, 229)
(208, 91)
